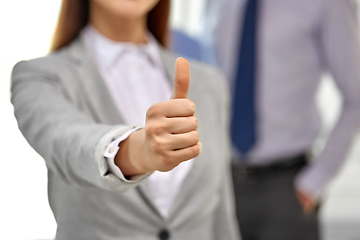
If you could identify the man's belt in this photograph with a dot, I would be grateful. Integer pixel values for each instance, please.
(280, 165)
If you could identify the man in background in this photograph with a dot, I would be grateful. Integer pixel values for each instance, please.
(274, 53)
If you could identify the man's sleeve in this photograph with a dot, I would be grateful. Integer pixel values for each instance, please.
(340, 49)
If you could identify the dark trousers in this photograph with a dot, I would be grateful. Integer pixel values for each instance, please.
(267, 207)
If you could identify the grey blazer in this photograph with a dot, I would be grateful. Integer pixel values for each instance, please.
(66, 113)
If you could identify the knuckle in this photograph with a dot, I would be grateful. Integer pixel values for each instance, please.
(196, 136)
(150, 129)
(196, 150)
(154, 128)
(191, 106)
(196, 122)
(188, 105)
(157, 146)
(152, 111)
(160, 128)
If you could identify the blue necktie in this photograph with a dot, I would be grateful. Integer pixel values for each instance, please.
(243, 118)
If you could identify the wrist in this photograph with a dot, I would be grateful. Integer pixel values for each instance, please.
(130, 158)
(136, 152)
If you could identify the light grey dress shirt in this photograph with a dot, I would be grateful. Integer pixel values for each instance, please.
(298, 41)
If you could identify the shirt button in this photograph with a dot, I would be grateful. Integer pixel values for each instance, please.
(111, 150)
(164, 234)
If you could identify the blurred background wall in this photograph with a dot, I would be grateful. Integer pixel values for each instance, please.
(25, 31)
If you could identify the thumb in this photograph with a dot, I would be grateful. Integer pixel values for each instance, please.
(182, 79)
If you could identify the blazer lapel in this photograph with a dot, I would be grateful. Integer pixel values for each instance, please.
(145, 193)
(96, 92)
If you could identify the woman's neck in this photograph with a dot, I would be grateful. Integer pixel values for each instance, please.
(119, 29)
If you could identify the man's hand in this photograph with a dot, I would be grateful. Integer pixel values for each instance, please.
(306, 201)
(169, 136)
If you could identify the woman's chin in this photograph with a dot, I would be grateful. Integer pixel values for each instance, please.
(127, 9)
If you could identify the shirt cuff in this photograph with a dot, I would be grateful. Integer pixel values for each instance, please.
(312, 182)
(111, 151)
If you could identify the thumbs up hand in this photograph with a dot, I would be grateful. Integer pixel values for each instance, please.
(169, 136)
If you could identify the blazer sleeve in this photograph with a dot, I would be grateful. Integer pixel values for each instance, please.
(226, 225)
(69, 140)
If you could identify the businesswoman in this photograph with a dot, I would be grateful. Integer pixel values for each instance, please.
(121, 148)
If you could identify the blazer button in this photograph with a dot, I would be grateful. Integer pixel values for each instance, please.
(164, 234)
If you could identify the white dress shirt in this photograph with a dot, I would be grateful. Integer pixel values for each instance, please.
(136, 79)
(297, 42)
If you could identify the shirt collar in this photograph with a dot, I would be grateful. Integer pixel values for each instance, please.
(107, 52)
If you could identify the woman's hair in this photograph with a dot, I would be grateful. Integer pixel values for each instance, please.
(74, 15)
